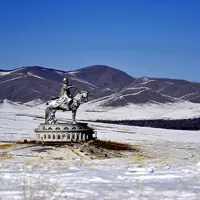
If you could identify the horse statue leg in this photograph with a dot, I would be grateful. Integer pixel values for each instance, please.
(50, 115)
(74, 116)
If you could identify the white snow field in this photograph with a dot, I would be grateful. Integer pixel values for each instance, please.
(180, 110)
(170, 170)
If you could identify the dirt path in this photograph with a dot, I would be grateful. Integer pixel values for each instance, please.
(170, 151)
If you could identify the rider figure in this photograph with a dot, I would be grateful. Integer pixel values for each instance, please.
(65, 90)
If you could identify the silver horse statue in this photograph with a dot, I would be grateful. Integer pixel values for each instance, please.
(65, 103)
(60, 104)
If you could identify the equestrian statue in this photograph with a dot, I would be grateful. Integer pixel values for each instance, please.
(65, 102)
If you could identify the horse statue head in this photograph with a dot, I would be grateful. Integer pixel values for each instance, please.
(81, 97)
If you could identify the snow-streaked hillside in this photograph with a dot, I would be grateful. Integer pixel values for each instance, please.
(30, 83)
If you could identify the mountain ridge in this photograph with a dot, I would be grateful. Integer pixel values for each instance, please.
(34, 82)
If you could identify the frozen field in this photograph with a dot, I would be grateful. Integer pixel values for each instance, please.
(181, 110)
(169, 167)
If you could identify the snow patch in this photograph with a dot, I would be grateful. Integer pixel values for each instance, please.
(34, 102)
(5, 73)
(33, 75)
(82, 81)
(12, 79)
(73, 72)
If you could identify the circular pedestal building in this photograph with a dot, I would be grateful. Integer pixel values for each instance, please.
(65, 132)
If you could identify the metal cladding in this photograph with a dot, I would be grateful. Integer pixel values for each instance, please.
(64, 132)
(52, 130)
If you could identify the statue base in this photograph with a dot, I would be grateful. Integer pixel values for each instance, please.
(65, 132)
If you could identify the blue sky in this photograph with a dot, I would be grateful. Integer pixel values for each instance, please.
(156, 38)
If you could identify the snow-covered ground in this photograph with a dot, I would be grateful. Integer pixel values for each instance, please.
(171, 172)
(181, 110)
(106, 179)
